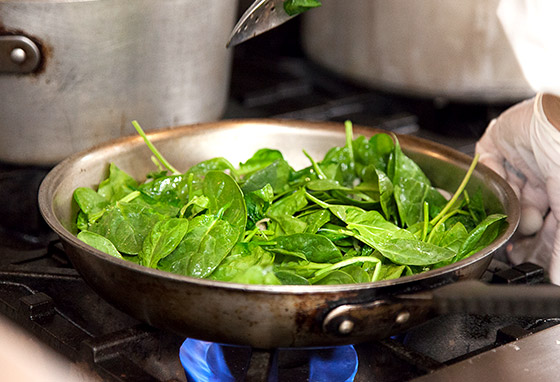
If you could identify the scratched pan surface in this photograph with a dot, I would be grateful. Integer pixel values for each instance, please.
(258, 315)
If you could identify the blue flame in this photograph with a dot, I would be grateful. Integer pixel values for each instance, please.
(333, 364)
(204, 362)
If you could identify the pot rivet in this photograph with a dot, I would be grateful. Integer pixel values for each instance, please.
(402, 317)
(346, 327)
(18, 56)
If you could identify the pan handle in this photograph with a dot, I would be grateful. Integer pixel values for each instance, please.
(477, 297)
(396, 313)
(384, 317)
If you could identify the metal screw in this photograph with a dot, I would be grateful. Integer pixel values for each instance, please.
(402, 317)
(346, 327)
(18, 55)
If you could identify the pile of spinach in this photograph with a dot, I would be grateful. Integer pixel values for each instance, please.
(363, 213)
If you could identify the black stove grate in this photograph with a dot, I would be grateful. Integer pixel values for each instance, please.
(47, 297)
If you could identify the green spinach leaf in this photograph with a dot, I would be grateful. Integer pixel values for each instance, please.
(164, 237)
(295, 7)
(99, 242)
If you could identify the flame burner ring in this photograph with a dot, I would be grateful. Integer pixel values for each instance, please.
(207, 361)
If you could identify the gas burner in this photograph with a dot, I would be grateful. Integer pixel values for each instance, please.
(421, 351)
(207, 361)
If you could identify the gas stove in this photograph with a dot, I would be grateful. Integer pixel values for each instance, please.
(44, 297)
(46, 305)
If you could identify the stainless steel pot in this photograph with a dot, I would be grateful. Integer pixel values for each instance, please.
(271, 315)
(432, 48)
(74, 74)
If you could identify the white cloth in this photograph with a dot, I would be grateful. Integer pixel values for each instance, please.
(521, 144)
(533, 30)
(524, 147)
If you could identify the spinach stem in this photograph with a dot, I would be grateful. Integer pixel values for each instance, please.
(349, 138)
(426, 220)
(376, 272)
(153, 149)
(443, 220)
(344, 263)
(458, 192)
(320, 173)
(317, 201)
(129, 197)
(250, 235)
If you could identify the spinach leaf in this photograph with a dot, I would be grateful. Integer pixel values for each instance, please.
(336, 277)
(164, 237)
(482, 235)
(277, 174)
(386, 200)
(287, 225)
(397, 244)
(476, 206)
(373, 152)
(196, 174)
(167, 189)
(410, 195)
(315, 220)
(257, 203)
(260, 159)
(126, 225)
(117, 185)
(338, 163)
(289, 204)
(224, 194)
(325, 185)
(295, 7)
(387, 271)
(90, 202)
(257, 274)
(291, 278)
(338, 210)
(316, 248)
(242, 257)
(208, 241)
(401, 167)
(452, 238)
(99, 242)
(357, 273)
(410, 251)
(348, 262)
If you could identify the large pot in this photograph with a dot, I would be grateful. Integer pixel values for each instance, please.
(265, 316)
(75, 73)
(431, 48)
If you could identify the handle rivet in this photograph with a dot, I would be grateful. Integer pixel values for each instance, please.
(346, 327)
(402, 317)
(18, 56)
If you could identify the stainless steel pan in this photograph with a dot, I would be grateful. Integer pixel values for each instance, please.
(266, 316)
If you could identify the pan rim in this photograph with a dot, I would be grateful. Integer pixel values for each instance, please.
(50, 185)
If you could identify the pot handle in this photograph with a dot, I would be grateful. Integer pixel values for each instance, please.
(18, 55)
(396, 313)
